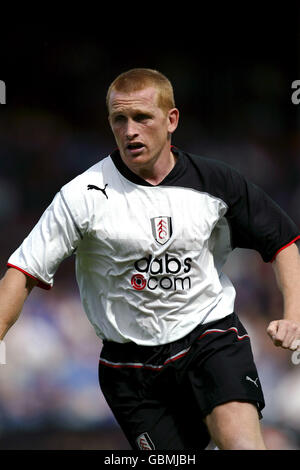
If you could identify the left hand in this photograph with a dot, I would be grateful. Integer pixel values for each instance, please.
(285, 333)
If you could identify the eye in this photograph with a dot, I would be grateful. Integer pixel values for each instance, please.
(142, 117)
(118, 118)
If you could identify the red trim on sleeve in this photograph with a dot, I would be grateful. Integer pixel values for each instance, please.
(285, 246)
(40, 284)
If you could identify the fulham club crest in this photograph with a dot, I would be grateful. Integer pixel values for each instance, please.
(144, 442)
(161, 229)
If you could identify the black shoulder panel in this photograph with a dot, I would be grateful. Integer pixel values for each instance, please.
(256, 221)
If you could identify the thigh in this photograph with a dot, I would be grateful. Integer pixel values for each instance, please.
(152, 410)
(235, 426)
(223, 370)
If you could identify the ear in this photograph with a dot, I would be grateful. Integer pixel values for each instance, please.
(173, 118)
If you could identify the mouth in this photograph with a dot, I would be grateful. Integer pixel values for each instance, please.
(135, 147)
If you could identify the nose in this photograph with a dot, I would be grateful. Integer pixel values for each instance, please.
(131, 130)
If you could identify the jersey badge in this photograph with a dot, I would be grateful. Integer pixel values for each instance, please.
(161, 229)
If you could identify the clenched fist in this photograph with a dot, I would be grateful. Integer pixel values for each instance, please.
(285, 333)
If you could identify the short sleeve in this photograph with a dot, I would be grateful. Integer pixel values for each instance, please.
(255, 220)
(54, 237)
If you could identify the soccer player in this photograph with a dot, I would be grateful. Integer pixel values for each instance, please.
(151, 226)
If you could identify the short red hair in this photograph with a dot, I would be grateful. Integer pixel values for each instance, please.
(140, 78)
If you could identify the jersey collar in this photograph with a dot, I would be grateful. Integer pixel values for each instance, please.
(169, 180)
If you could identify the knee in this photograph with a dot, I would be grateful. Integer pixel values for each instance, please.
(240, 443)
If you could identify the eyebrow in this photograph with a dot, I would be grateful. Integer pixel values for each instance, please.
(135, 112)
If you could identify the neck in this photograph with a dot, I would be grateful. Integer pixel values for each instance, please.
(156, 172)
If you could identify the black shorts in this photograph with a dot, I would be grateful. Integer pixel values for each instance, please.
(160, 394)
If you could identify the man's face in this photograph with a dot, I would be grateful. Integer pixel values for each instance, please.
(141, 128)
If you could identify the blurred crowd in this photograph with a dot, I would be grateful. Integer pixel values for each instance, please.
(50, 383)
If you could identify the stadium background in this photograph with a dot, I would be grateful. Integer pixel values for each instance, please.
(234, 95)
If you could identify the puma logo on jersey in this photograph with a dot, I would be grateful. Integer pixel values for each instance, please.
(251, 380)
(91, 186)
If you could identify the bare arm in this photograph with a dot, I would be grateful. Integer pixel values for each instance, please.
(286, 332)
(14, 290)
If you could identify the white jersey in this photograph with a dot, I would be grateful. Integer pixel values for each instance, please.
(149, 258)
